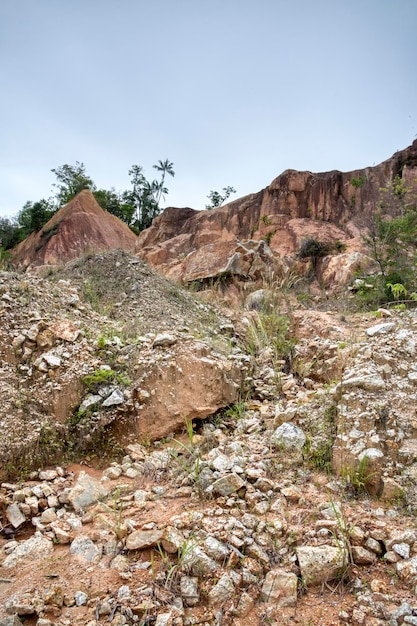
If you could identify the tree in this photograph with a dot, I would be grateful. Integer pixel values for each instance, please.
(146, 195)
(112, 202)
(217, 199)
(392, 241)
(9, 233)
(166, 167)
(34, 215)
(72, 179)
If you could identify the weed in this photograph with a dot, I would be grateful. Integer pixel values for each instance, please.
(236, 411)
(104, 376)
(268, 237)
(174, 570)
(358, 182)
(358, 478)
(97, 378)
(190, 431)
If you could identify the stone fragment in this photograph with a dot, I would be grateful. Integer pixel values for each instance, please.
(189, 590)
(48, 516)
(141, 539)
(66, 330)
(173, 540)
(11, 621)
(83, 547)
(15, 515)
(112, 473)
(114, 399)
(52, 360)
(321, 563)
(120, 563)
(280, 588)
(54, 595)
(137, 452)
(357, 535)
(81, 598)
(288, 435)
(123, 592)
(245, 604)
(402, 549)
(216, 549)
(407, 570)
(164, 619)
(369, 382)
(198, 562)
(228, 484)
(373, 545)
(35, 547)
(85, 492)
(222, 591)
(22, 604)
(89, 401)
(362, 556)
(403, 610)
(163, 340)
(380, 329)
(48, 474)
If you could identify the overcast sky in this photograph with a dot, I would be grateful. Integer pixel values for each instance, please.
(233, 92)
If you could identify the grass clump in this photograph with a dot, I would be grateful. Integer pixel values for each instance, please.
(271, 330)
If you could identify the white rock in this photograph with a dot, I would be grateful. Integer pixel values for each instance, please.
(222, 591)
(288, 435)
(52, 360)
(85, 492)
(280, 588)
(114, 398)
(33, 548)
(82, 546)
(321, 563)
(380, 329)
(15, 515)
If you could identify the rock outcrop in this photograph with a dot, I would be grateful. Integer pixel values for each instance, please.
(330, 207)
(80, 227)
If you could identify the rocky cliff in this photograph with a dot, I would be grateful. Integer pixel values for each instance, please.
(331, 206)
(80, 227)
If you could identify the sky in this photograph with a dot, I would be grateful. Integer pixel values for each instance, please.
(233, 92)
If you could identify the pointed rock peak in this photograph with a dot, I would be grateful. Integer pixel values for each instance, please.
(79, 227)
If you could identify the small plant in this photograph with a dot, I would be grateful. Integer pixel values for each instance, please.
(173, 570)
(266, 220)
(339, 246)
(398, 290)
(358, 182)
(97, 378)
(217, 199)
(359, 477)
(268, 237)
(236, 411)
(190, 431)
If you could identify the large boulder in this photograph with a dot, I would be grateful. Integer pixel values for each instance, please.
(190, 382)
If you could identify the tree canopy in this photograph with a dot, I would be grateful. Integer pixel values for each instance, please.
(137, 206)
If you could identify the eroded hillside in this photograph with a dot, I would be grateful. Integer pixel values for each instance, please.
(247, 467)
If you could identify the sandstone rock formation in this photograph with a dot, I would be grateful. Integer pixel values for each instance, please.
(80, 227)
(330, 207)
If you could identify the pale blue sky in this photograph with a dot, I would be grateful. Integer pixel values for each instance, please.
(232, 91)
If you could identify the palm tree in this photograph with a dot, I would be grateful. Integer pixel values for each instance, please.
(166, 167)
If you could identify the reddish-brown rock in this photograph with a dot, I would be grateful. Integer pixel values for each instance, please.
(80, 227)
(331, 206)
